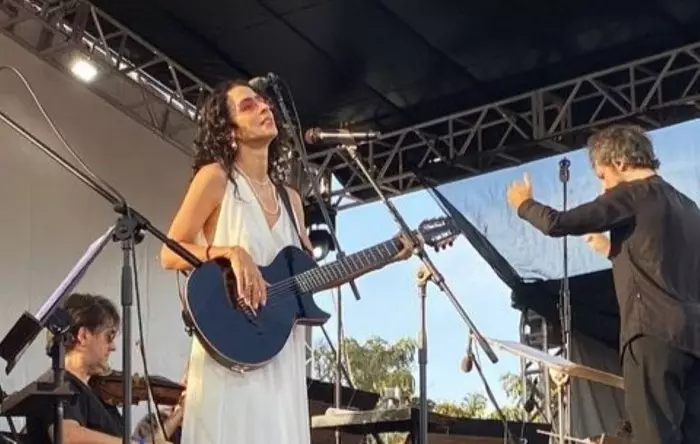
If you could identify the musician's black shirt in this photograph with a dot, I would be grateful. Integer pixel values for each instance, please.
(87, 409)
(655, 254)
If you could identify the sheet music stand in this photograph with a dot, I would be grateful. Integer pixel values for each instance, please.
(557, 364)
(560, 370)
(23, 333)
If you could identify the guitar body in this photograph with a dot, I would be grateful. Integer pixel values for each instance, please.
(231, 334)
(241, 340)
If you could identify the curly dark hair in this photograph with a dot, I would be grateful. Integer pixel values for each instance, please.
(626, 143)
(213, 142)
(90, 311)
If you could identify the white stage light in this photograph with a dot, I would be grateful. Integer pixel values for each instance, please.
(84, 70)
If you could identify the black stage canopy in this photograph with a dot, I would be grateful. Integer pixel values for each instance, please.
(394, 63)
(458, 89)
(397, 64)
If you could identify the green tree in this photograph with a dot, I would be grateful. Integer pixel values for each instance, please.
(377, 365)
(374, 365)
(474, 405)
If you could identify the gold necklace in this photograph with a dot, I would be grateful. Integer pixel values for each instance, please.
(262, 183)
(257, 195)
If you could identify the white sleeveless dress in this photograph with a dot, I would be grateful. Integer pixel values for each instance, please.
(264, 406)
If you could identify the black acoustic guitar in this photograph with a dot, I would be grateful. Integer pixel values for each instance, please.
(242, 340)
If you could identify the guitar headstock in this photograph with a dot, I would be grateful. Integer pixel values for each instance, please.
(439, 232)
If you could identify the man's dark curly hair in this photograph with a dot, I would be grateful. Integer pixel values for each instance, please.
(93, 312)
(214, 143)
(624, 143)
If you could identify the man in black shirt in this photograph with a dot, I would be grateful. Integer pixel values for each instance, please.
(654, 247)
(94, 322)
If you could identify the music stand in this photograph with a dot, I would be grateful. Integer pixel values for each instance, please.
(560, 370)
(23, 333)
(557, 364)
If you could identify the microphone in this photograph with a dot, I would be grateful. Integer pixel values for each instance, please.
(468, 360)
(564, 165)
(261, 83)
(318, 135)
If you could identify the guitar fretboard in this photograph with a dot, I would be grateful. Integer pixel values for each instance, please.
(319, 278)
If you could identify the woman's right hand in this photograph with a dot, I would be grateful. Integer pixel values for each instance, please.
(250, 285)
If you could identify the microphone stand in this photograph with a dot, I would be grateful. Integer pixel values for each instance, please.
(436, 277)
(423, 276)
(288, 123)
(565, 295)
(419, 251)
(565, 309)
(128, 232)
(299, 143)
(58, 325)
(337, 386)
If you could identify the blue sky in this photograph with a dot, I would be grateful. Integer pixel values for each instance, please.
(389, 305)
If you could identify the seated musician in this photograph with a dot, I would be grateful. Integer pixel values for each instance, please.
(94, 324)
(171, 419)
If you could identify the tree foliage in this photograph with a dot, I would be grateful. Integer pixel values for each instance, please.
(376, 365)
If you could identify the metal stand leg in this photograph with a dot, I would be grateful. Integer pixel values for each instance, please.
(339, 359)
(562, 383)
(422, 277)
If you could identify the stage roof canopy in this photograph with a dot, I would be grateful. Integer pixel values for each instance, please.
(457, 88)
(394, 65)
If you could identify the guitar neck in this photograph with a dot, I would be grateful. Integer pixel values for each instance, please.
(352, 265)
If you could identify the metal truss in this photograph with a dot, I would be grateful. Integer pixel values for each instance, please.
(133, 76)
(655, 91)
(61, 32)
(142, 82)
(309, 350)
(539, 400)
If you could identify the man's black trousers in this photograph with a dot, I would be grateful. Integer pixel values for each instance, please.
(662, 392)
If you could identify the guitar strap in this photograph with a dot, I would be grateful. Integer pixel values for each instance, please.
(284, 195)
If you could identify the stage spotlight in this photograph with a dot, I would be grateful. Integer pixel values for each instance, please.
(84, 70)
(322, 242)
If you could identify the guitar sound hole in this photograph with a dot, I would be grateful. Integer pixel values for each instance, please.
(230, 283)
(241, 306)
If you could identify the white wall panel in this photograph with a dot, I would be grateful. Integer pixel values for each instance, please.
(48, 218)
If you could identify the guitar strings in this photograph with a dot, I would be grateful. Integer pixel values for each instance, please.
(307, 278)
(321, 275)
(292, 284)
